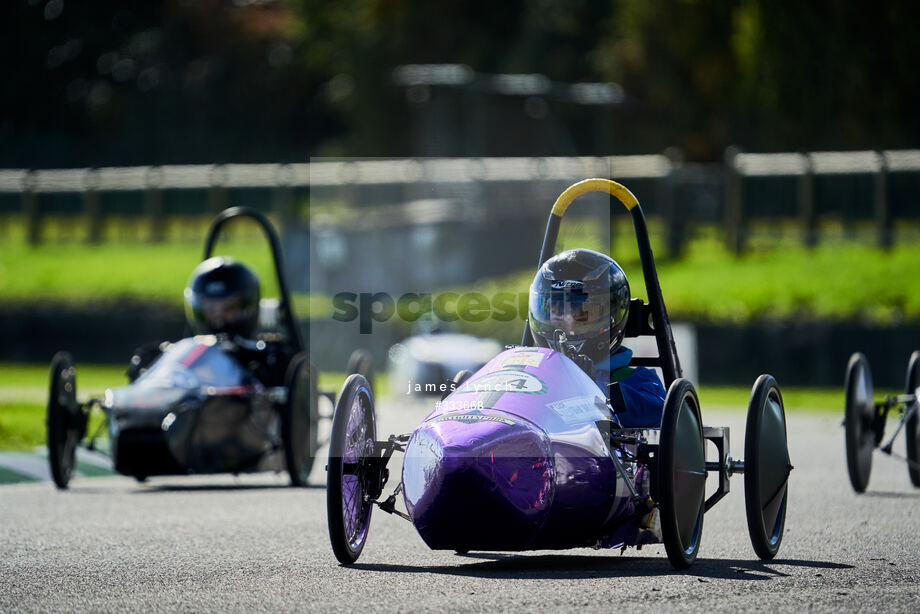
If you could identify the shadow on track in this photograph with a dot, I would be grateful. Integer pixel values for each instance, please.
(155, 488)
(557, 566)
(884, 494)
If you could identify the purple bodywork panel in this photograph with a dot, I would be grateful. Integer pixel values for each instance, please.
(514, 459)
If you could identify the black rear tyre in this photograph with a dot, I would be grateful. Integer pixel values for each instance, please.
(66, 421)
(859, 418)
(913, 423)
(300, 419)
(766, 467)
(681, 476)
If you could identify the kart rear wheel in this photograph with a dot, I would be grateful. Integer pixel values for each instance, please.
(913, 423)
(352, 442)
(681, 475)
(300, 419)
(766, 467)
(858, 421)
(457, 381)
(66, 421)
(362, 363)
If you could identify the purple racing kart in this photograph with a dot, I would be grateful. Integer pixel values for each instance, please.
(528, 454)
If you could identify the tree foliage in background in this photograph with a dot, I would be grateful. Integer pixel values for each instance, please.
(182, 81)
(108, 82)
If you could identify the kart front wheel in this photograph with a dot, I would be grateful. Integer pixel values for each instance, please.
(66, 421)
(300, 419)
(766, 467)
(681, 476)
(913, 428)
(858, 421)
(351, 445)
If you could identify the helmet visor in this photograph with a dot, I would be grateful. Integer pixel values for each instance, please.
(223, 314)
(580, 315)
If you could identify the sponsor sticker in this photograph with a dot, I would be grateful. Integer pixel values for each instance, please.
(472, 418)
(506, 381)
(523, 358)
(579, 409)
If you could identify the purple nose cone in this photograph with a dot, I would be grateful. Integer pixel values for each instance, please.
(478, 481)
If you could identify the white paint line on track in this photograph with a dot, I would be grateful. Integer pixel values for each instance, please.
(33, 466)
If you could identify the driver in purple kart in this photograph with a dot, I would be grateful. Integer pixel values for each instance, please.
(579, 303)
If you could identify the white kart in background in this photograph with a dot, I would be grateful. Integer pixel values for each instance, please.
(426, 363)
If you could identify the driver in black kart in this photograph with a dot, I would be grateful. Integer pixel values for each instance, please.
(222, 298)
(579, 303)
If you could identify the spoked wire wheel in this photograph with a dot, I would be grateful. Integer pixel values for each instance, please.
(913, 423)
(681, 476)
(348, 505)
(859, 417)
(65, 419)
(766, 467)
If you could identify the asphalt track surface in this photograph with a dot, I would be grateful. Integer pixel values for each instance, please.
(250, 543)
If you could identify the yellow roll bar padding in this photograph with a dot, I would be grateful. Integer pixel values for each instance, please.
(618, 191)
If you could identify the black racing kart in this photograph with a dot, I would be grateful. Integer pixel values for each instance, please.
(199, 405)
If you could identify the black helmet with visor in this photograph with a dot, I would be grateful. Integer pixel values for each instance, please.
(585, 295)
(223, 297)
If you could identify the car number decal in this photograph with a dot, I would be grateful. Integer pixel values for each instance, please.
(506, 381)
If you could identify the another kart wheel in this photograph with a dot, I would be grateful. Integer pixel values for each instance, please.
(913, 428)
(351, 443)
(681, 476)
(66, 421)
(456, 382)
(362, 363)
(300, 419)
(766, 467)
(859, 417)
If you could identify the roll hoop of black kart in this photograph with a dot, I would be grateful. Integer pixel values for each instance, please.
(285, 307)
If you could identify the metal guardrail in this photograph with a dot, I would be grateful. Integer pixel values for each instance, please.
(325, 173)
(825, 162)
(805, 167)
(216, 179)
